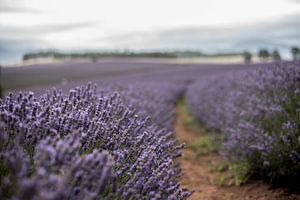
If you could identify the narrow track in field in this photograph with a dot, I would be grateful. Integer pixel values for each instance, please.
(199, 170)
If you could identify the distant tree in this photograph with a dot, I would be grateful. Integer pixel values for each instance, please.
(26, 57)
(247, 57)
(263, 54)
(296, 53)
(276, 55)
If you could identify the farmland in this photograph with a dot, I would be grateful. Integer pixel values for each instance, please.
(138, 129)
(68, 75)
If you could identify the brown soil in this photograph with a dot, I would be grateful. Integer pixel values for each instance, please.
(199, 177)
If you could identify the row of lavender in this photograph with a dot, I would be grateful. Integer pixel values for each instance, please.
(258, 113)
(90, 144)
(152, 99)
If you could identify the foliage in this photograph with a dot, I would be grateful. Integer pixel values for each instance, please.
(263, 54)
(295, 53)
(276, 56)
(258, 113)
(203, 145)
(89, 145)
(247, 57)
(95, 55)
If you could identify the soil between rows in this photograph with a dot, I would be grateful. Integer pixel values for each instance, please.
(199, 176)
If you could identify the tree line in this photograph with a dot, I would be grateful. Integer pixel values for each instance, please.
(265, 55)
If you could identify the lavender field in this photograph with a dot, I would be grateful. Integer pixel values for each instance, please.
(109, 130)
(257, 114)
(66, 76)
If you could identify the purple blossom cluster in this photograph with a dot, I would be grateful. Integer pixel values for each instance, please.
(258, 112)
(211, 99)
(152, 99)
(90, 144)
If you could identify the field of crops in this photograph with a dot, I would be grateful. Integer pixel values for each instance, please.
(107, 132)
(257, 114)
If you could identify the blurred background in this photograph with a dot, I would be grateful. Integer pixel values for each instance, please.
(212, 27)
(35, 32)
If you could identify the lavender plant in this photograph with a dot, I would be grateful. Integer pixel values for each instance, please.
(85, 145)
(152, 99)
(258, 112)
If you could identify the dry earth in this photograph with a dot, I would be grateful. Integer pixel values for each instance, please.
(199, 176)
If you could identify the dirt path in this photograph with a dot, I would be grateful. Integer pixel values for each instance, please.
(199, 169)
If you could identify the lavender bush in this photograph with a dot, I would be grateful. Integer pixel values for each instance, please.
(211, 100)
(152, 99)
(258, 112)
(88, 145)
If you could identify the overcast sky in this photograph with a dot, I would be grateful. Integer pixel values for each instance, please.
(207, 25)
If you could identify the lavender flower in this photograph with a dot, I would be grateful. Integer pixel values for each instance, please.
(257, 111)
(90, 145)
